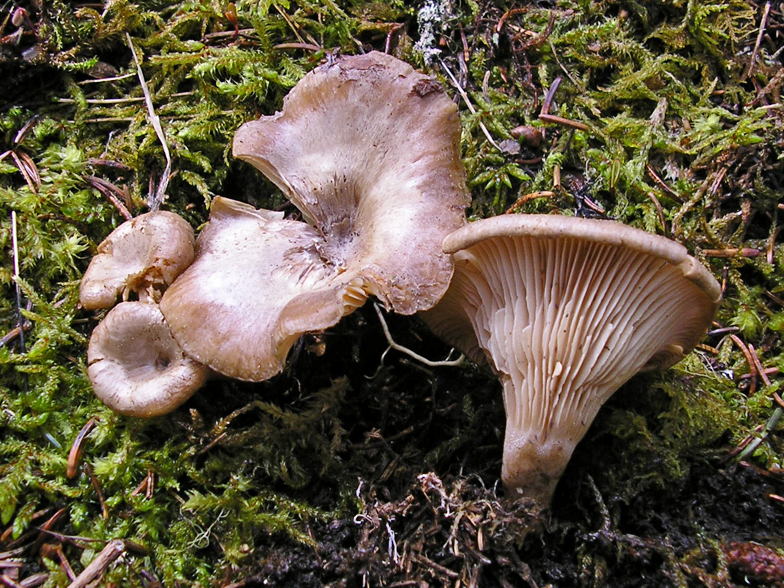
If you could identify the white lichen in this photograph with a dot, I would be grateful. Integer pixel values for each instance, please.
(432, 20)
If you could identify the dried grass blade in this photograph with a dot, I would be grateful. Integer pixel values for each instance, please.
(155, 200)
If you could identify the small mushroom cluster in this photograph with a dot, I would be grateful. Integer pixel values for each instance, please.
(369, 151)
(564, 310)
(134, 363)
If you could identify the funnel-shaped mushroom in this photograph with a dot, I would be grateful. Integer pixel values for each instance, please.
(566, 310)
(142, 256)
(135, 365)
(368, 150)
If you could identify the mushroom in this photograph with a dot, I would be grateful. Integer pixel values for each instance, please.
(136, 367)
(258, 282)
(368, 150)
(141, 257)
(565, 311)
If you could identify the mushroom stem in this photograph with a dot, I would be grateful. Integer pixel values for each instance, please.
(532, 467)
(533, 462)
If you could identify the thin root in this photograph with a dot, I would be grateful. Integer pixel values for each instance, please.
(445, 363)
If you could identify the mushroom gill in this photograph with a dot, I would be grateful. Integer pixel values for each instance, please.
(369, 151)
(565, 311)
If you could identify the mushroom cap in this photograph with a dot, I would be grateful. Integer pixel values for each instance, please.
(136, 367)
(141, 256)
(369, 151)
(566, 310)
(258, 282)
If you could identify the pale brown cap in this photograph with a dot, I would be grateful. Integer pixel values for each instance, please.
(136, 367)
(258, 283)
(369, 150)
(566, 310)
(141, 257)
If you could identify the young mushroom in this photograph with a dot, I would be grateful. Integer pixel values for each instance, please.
(368, 150)
(136, 367)
(565, 311)
(141, 257)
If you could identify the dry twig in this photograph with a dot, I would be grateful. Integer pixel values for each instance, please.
(75, 455)
(112, 193)
(752, 366)
(468, 103)
(760, 33)
(20, 319)
(100, 564)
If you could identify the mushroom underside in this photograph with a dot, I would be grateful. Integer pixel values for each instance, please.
(564, 322)
(369, 151)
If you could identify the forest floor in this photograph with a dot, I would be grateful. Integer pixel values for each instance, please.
(360, 468)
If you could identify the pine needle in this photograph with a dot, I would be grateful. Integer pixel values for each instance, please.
(19, 317)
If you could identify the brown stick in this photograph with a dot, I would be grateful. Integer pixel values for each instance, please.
(34, 581)
(774, 298)
(659, 182)
(752, 366)
(729, 253)
(48, 524)
(111, 192)
(771, 371)
(75, 455)
(304, 46)
(28, 169)
(760, 33)
(507, 14)
(532, 196)
(14, 333)
(114, 549)
(772, 243)
(54, 551)
(97, 486)
(564, 122)
(723, 331)
(6, 581)
(746, 440)
(550, 96)
(758, 365)
(395, 28)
